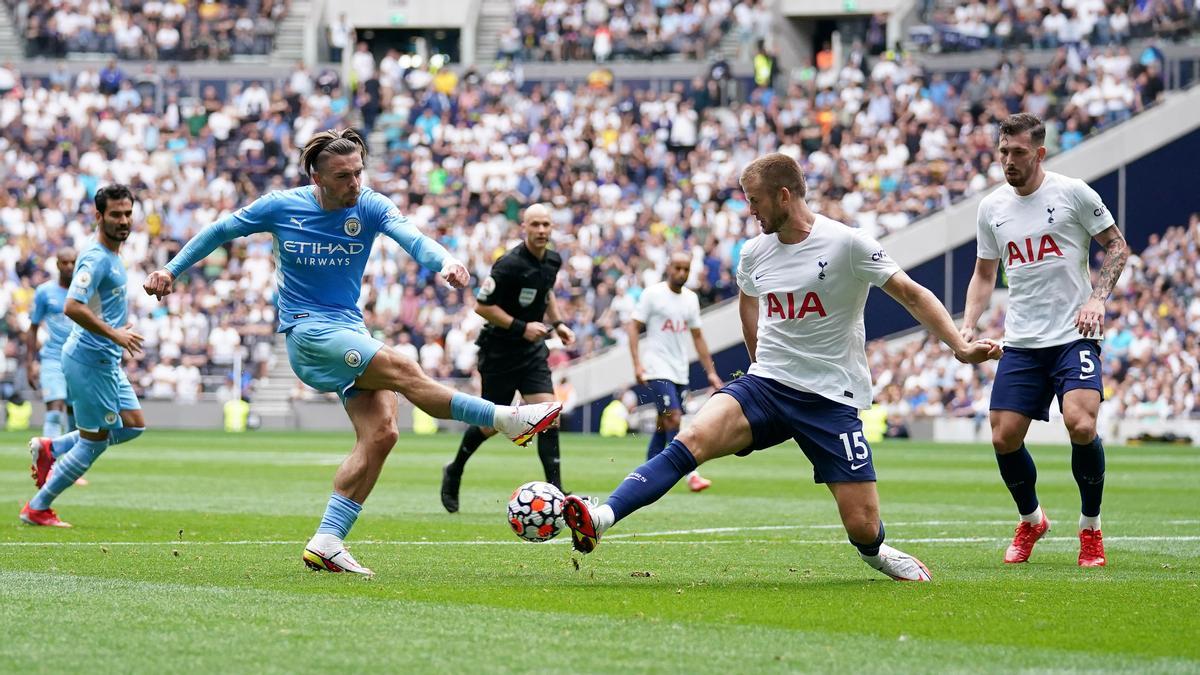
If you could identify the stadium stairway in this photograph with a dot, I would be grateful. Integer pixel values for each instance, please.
(289, 35)
(11, 47)
(495, 17)
(273, 399)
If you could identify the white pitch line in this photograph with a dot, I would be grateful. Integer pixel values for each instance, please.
(804, 542)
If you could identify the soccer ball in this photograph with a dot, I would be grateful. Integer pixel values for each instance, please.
(535, 511)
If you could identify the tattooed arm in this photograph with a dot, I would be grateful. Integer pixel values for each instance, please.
(1091, 316)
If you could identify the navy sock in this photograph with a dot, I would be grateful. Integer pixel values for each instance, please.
(669, 436)
(1020, 475)
(651, 480)
(1087, 463)
(871, 549)
(657, 442)
(340, 514)
(549, 454)
(471, 440)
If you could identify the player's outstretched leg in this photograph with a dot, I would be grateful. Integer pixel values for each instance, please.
(392, 371)
(720, 429)
(644, 486)
(858, 506)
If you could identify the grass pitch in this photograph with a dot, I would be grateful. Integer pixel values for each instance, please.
(185, 556)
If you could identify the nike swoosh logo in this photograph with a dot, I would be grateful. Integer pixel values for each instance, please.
(856, 467)
(1086, 377)
(1001, 223)
(758, 276)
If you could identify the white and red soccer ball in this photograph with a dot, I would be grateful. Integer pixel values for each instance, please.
(535, 511)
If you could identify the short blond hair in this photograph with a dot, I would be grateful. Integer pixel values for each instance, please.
(775, 171)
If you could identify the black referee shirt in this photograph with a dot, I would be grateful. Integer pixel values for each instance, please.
(521, 285)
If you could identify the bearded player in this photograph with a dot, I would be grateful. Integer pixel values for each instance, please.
(1041, 225)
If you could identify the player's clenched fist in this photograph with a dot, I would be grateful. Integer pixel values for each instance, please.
(455, 273)
(159, 283)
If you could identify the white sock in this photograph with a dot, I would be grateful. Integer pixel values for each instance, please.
(1089, 522)
(693, 474)
(1033, 518)
(603, 518)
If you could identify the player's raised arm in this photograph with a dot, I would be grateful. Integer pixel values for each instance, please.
(924, 307)
(246, 221)
(424, 249)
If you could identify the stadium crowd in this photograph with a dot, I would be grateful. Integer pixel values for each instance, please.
(186, 30)
(604, 30)
(1151, 348)
(1047, 24)
(629, 175)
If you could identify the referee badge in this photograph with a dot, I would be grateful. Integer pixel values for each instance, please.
(352, 227)
(353, 358)
(528, 295)
(487, 288)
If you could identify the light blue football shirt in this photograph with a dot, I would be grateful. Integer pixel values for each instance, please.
(48, 302)
(319, 255)
(99, 282)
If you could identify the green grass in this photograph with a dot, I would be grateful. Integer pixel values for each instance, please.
(185, 556)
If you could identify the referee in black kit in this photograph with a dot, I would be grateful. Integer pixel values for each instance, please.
(517, 299)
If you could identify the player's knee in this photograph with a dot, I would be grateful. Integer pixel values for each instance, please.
(1082, 429)
(1004, 442)
(383, 438)
(671, 420)
(693, 440)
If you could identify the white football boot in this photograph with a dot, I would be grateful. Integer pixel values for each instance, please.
(327, 553)
(897, 564)
(524, 422)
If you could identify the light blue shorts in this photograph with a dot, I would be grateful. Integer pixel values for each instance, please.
(52, 381)
(98, 394)
(330, 356)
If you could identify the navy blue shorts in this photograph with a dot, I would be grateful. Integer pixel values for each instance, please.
(665, 394)
(829, 433)
(1028, 379)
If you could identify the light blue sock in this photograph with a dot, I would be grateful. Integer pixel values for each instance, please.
(339, 516)
(124, 435)
(52, 427)
(67, 470)
(63, 444)
(472, 410)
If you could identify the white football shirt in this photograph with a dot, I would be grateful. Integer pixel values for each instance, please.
(1042, 241)
(810, 308)
(669, 318)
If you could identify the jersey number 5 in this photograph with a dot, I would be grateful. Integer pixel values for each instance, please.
(1086, 365)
